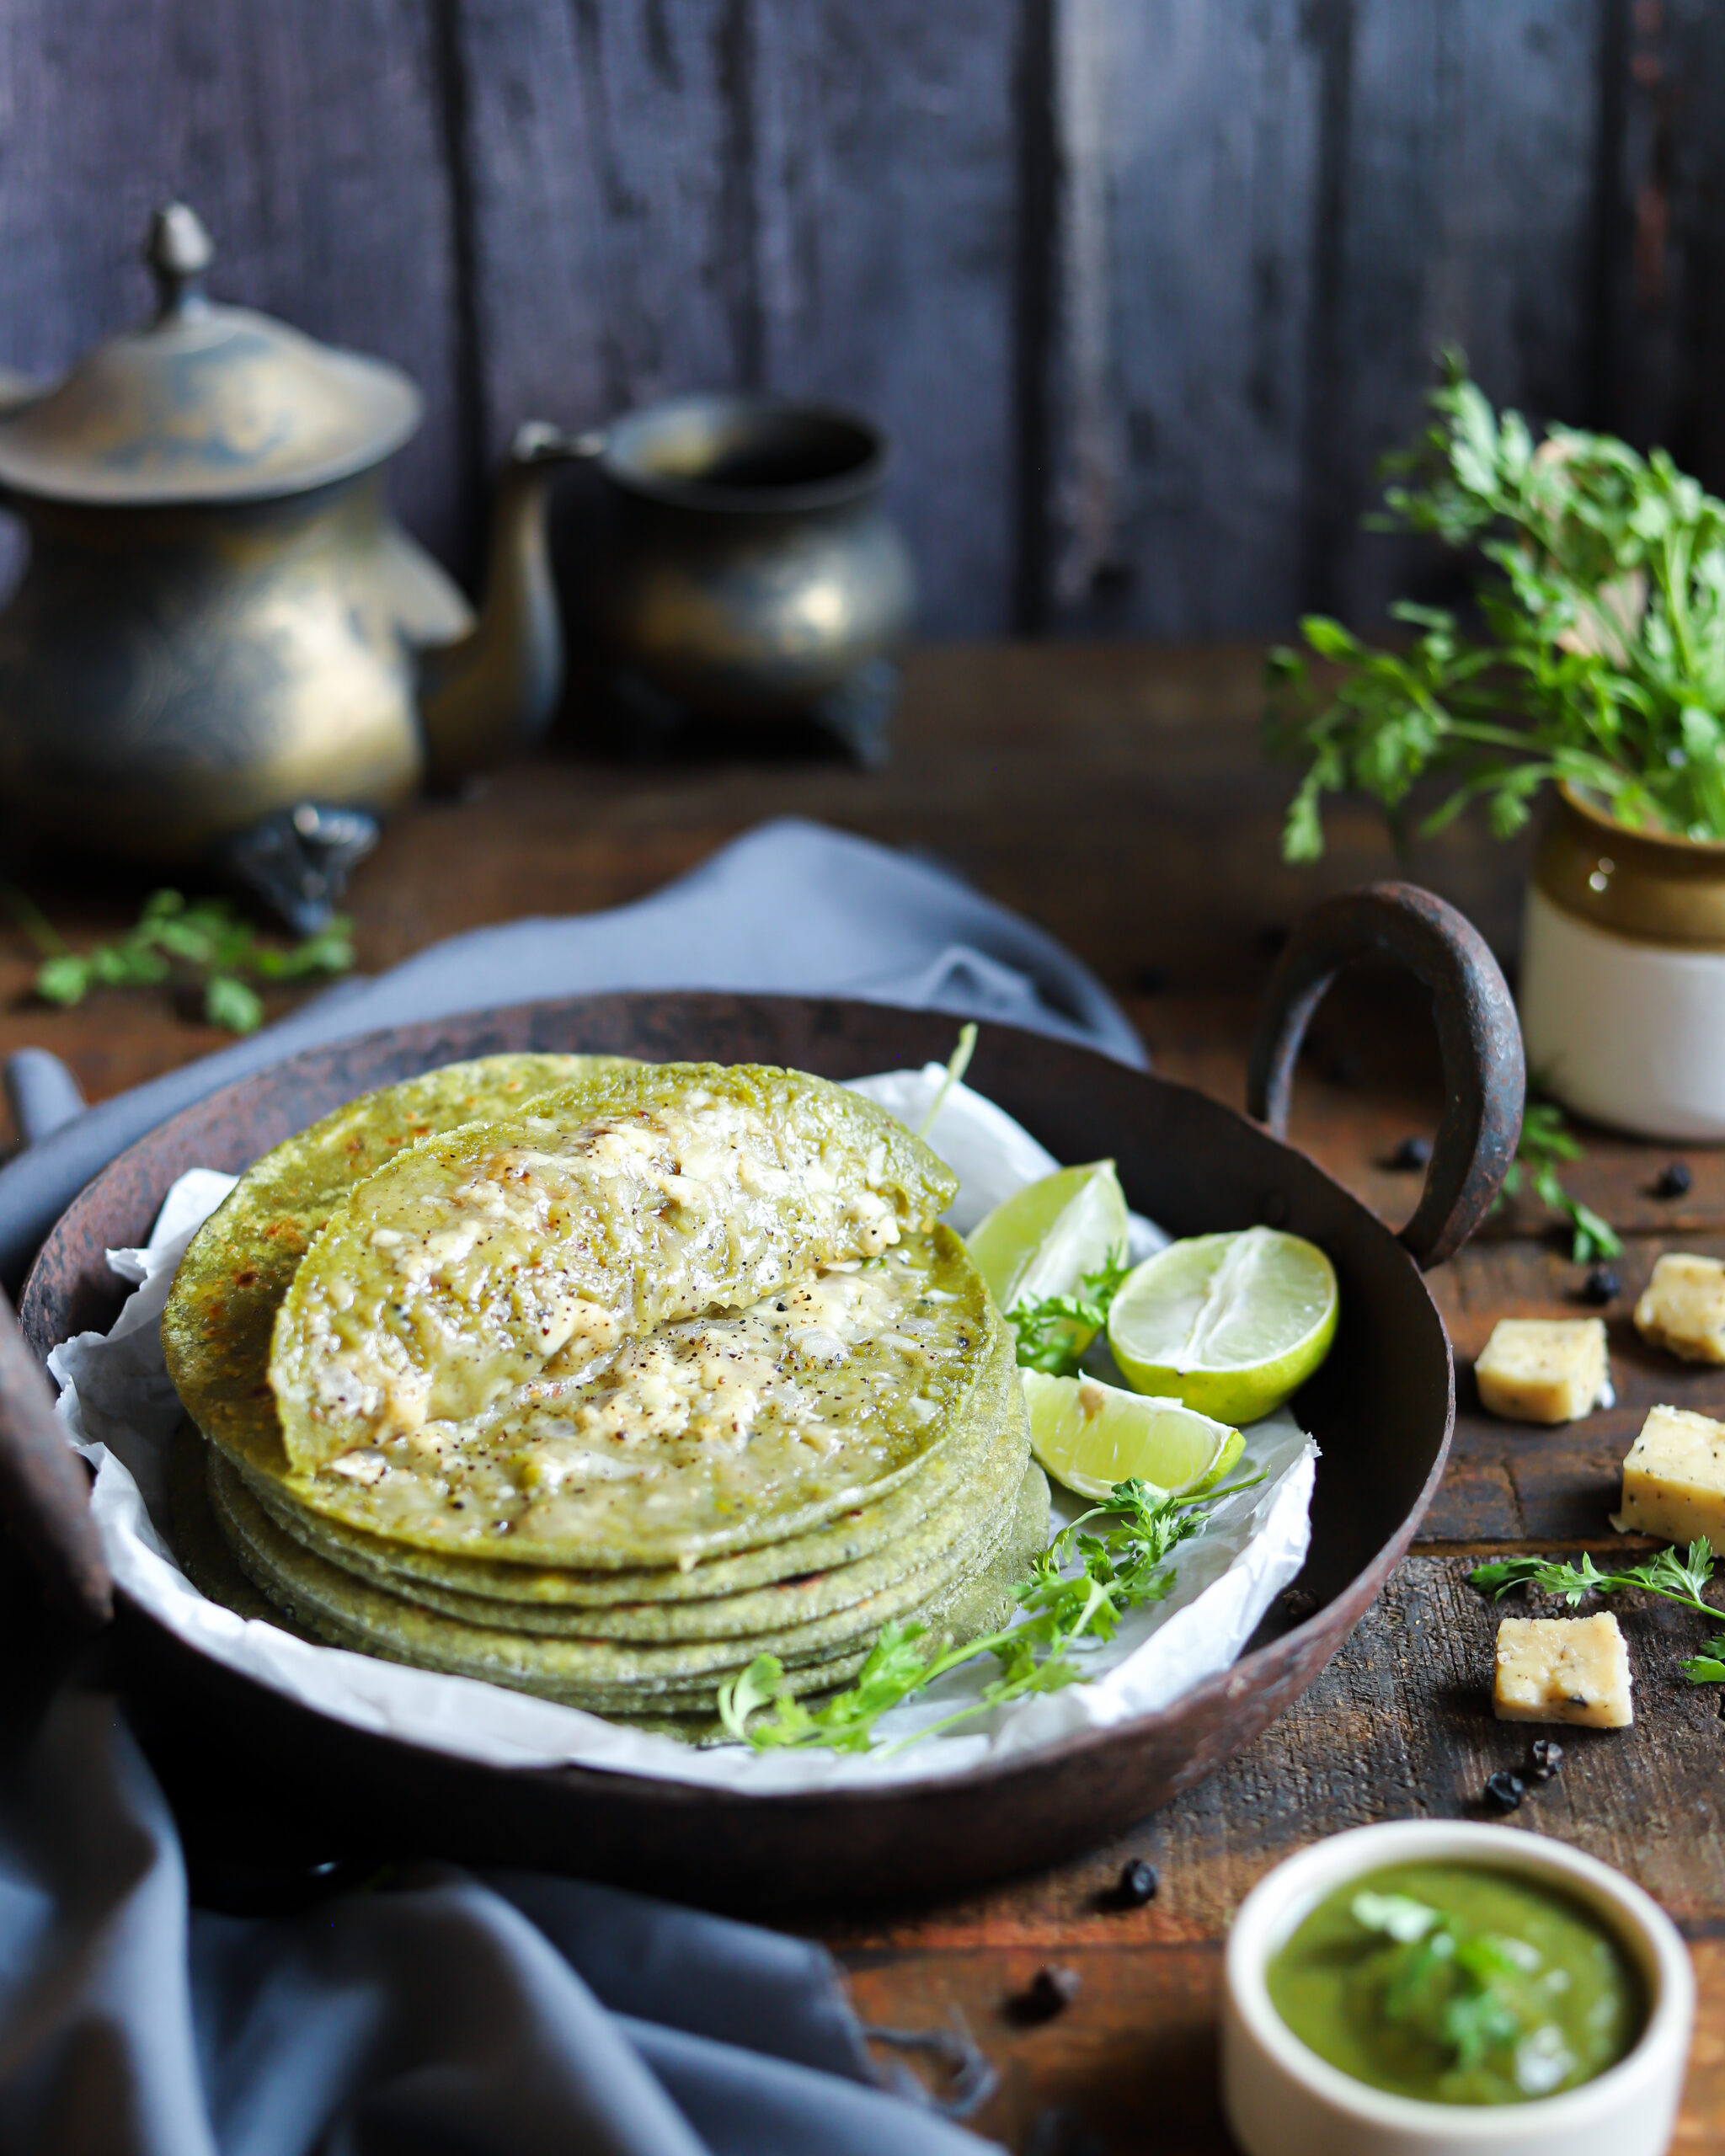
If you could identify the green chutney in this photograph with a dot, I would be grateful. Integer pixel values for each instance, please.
(1458, 1984)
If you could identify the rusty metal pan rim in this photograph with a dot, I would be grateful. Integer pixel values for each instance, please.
(1250, 1672)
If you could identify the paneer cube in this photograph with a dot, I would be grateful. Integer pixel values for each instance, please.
(1545, 1369)
(1673, 1478)
(1573, 1669)
(1682, 1307)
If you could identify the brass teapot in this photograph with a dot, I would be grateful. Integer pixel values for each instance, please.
(220, 622)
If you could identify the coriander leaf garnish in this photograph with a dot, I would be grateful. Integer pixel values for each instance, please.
(1545, 1140)
(1678, 1579)
(1043, 1324)
(1675, 1578)
(1123, 1567)
(1708, 1666)
(1450, 1986)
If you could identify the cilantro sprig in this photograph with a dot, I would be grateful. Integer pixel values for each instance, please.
(1679, 1579)
(1547, 1140)
(202, 941)
(1045, 1325)
(1601, 599)
(1078, 1590)
(1457, 1988)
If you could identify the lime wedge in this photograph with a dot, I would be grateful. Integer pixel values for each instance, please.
(1043, 1239)
(1231, 1324)
(1091, 1436)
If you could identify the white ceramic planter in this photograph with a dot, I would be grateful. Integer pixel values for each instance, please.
(1283, 2100)
(1622, 993)
(1627, 1032)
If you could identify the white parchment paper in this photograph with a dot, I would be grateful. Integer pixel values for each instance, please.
(121, 1410)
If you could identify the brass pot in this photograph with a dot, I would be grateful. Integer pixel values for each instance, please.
(745, 568)
(221, 621)
(1622, 992)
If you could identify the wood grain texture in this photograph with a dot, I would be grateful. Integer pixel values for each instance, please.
(884, 210)
(1191, 139)
(310, 140)
(1663, 165)
(603, 159)
(1467, 217)
(1399, 1726)
(742, 193)
(1116, 795)
(1141, 290)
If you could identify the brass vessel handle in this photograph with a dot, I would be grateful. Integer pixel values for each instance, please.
(180, 252)
(1485, 1072)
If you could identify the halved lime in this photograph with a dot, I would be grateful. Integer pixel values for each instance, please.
(1231, 1324)
(1091, 1436)
(1043, 1239)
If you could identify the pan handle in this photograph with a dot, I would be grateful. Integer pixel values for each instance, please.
(1485, 1072)
(45, 1494)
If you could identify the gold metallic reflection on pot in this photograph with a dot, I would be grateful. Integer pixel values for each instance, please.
(219, 618)
(1651, 887)
(747, 569)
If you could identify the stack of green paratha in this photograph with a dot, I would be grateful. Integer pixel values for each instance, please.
(598, 1379)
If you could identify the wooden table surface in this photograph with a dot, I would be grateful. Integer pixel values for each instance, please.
(1116, 795)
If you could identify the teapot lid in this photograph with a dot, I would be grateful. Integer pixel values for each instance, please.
(206, 403)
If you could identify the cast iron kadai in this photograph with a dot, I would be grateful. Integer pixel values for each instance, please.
(1382, 1408)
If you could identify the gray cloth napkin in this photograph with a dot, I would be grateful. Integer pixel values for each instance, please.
(453, 2017)
(790, 909)
(511, 2015)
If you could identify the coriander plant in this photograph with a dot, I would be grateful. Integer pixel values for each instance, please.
(1599, 657)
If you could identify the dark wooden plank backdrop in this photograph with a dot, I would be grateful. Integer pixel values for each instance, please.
(1141, 287)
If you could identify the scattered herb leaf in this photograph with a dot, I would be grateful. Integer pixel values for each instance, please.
(1121, 1567)
(1679, 1579)
(1546, 1140)
(202, 941)
(1045, 1326)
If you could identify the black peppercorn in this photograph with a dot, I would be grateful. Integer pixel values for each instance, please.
(1052, 1989)
(1601, 1286)
(1674, 1181)
(1504, 1791)
(1412, 1153)
(1548, 1756)
(1139, 1882)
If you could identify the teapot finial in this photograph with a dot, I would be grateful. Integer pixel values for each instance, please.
(180, 252)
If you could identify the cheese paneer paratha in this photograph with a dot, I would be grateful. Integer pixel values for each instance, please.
(604, 1395)
(612, 1677)
(526, 1254)
(656, 1189)
(862, 1594)
(215, 1329)
(891, 1534)
(708, 1434)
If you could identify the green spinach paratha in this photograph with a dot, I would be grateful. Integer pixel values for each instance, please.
(598, 1379)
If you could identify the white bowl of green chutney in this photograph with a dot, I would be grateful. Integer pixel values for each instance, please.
(1434, 1988)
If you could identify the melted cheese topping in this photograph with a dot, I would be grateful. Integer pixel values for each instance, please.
(824, 1386)
(507, 1255)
